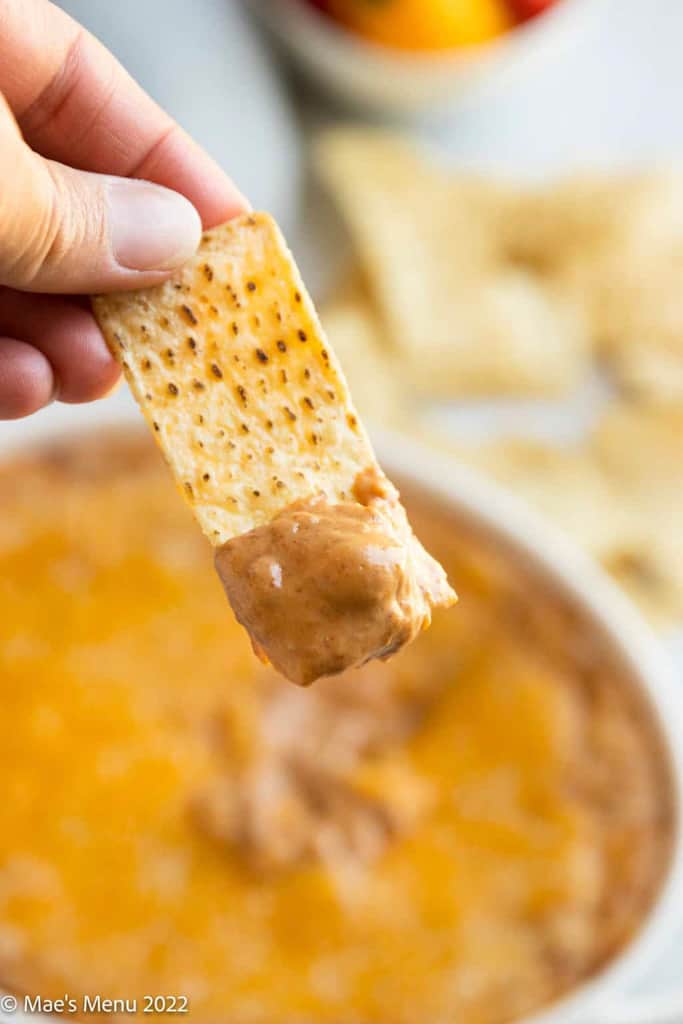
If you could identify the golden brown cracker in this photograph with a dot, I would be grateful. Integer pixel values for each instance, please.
(231, 368)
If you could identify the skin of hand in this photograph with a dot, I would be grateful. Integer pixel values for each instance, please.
(100, 190)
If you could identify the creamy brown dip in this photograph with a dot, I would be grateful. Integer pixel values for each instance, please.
(322, 588)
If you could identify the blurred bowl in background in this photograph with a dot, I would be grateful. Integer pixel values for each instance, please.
(402, 83)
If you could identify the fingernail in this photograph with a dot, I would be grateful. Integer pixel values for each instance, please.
(150, 227)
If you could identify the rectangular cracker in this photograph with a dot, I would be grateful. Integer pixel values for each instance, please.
(231, 369)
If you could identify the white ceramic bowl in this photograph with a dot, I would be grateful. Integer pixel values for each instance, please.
(401, 83)
(610, 614)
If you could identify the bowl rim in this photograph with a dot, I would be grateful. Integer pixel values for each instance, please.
(315, 27)
(547, 549)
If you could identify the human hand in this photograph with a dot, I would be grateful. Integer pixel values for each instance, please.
(77, 135)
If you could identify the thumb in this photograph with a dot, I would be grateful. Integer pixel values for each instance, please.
(69, 231)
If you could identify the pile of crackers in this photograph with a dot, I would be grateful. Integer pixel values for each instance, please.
(471, 288)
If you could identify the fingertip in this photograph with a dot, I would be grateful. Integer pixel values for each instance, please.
(98, 379)
(66, 335)
(114, 388)
(27, 380)
(85, 367)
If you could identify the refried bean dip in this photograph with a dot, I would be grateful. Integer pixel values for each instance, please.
(322, 588)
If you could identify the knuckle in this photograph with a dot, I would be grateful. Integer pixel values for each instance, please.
(50, 223)
(27, 228)
(63, 224)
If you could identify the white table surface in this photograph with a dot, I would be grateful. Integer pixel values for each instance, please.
(614, 100)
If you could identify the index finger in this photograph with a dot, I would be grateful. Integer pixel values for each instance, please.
(76, 104)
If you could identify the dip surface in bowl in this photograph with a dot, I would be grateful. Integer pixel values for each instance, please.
(463, 833)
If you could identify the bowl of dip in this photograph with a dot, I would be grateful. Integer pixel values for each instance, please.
(365, 74)
(487, 827)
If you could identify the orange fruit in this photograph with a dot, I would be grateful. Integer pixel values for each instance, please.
(424, 24)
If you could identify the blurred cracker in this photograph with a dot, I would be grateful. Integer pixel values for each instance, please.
(612, 245)
(624, 274)
(562, 484)
(567, 488)
(651, 369)
(572, 219)
(649, 583)
(392, 198)
(506, 335)
(645, 349)
(463, 320)
(572, 490)
(620, 497)
(641, 447)
(355, 335)
(640, 450)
